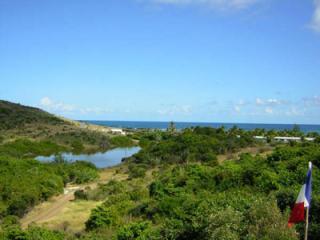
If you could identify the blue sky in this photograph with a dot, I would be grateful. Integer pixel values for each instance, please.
(181, 60)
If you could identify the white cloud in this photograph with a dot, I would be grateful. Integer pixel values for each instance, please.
(312, 101)
(270, 102)
(46, 102)
(94, 110)
(237, 109)
(214, 4)
(51, 105)
(242, 102)
(259, 101)
(294, 112)
(315, 23)
(62, 108)
(273, 101)
(268, 110)
(174, 110)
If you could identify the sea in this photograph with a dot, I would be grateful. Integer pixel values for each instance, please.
(306, 128)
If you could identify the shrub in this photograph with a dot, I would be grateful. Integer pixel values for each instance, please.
(132, 231)
(224, 225)
(101, 216)
(80, 195)
(136, 171)
(77, 146)
(122, 141)
(266, 222)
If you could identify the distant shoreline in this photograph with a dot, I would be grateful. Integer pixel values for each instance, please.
(306, 128)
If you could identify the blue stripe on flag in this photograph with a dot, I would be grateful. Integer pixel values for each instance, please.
(309, 185)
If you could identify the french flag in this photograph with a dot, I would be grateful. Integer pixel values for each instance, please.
(303, 201)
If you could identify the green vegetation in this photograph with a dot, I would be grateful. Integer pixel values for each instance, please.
(11, 230)
(122, 141)
(13, 116)
(192, 145)
(177, 189)
(26, 182)
(22, 148)
(185, 197)
(18, 122)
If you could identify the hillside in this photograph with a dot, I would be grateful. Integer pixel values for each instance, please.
(32, 124)
(14, 115)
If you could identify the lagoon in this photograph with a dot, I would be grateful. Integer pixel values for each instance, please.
(100, 160)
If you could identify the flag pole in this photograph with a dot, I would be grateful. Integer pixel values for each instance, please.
(307, 225)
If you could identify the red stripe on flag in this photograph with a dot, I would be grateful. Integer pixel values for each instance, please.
(297, 214)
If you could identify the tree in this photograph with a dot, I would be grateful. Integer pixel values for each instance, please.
(224, 225)
(171, 127)
(266, 222)
(132, 231)
(101, 216)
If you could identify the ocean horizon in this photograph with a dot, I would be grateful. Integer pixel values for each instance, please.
(306, 128)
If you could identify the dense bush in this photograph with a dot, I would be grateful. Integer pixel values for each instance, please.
(186, 194)
(137, 170)
(122, 141)
(81, 172)
(27, 148)
(248, 198)
(33, 233)
(26, 182)
(133, 231)
(190, 145)
(102, 216)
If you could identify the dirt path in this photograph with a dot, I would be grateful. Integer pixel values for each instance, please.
(61, 209)
(47, 210)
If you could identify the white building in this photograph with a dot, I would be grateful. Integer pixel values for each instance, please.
(117, 131)
(260, 137)
(311, 139)
(288, 139)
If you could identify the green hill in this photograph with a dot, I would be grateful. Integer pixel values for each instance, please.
(14, 115)
(33, 124)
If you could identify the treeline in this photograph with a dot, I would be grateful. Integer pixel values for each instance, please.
(199, 144)
(24, 147)
(26, 182)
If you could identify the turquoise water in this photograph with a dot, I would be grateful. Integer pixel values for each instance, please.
(101, 160)
(180, 125)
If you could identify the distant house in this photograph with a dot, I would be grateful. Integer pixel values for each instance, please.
(117, 131)
(285, 139)
(288, 139)
(311, 139)
(260, 137)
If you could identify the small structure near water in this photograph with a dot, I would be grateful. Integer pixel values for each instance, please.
(117, 131)
(286, 139)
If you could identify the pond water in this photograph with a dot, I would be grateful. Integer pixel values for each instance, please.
(101, 160)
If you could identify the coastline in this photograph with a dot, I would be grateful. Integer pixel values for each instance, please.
(306, 128)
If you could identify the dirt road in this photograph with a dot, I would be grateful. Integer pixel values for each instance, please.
(61, 209)
(47, 210)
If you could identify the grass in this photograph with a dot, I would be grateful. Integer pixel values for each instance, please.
(73, 217)
(70, 215)
(263, 151)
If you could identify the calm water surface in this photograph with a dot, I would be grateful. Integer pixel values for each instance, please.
(101, 160)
